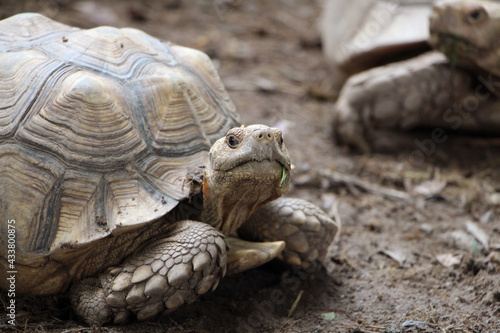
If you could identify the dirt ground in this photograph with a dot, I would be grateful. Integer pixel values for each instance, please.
(419, 248)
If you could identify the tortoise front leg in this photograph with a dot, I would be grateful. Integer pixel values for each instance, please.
(375, 105)
(162, 276)
(305, 228)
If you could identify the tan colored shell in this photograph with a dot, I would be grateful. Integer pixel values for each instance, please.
(360, 34)
(97, 130)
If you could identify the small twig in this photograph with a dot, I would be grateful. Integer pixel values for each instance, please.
(294, 305)
(376, 327)
(78, 329)
(349, 180)
(56, 319)
(334, 212)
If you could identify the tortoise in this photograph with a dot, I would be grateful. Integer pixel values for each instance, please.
(127, 179)
(452, 88)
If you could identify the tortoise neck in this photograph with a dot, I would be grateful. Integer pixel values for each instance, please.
(227, 209)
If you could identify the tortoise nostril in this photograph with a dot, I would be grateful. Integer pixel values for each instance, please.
(264, 134)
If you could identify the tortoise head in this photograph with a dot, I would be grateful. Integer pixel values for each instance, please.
(248, 168)
(467, 33)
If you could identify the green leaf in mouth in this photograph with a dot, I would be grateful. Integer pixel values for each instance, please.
(452, 46)
(283, 176)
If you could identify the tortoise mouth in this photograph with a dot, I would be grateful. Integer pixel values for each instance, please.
(256, 163)
(453, 45)
(265, 169)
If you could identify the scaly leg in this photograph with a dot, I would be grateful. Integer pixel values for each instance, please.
(375, 105)
(305, 228)
(160, 277)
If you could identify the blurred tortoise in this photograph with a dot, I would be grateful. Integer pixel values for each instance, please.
(452, 88)
(116, 182)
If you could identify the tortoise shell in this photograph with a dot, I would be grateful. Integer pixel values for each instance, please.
(360, 34)
(98, 128)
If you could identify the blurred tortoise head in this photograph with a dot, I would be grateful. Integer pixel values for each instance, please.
(467, 32)
(124, 164)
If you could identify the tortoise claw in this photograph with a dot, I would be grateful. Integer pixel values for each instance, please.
(244, 255)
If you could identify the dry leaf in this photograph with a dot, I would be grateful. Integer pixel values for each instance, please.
(429, 188)
(461, 239)
(265, 84)
(479, 234)
(486, 217)
(330, 316)
(449, 259)
(397, 256)
(494, 198)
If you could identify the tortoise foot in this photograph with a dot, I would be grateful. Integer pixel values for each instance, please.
(88, 300)
(305, 228)
(160, 278)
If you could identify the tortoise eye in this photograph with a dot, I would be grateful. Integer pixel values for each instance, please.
(476, 15)
(232, 141)
(280, 141)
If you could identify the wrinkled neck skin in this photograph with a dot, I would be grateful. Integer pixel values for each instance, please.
(230, 197)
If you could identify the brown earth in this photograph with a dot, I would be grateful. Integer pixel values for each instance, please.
(392, 268)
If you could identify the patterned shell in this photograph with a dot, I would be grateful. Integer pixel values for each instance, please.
(98, 128)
